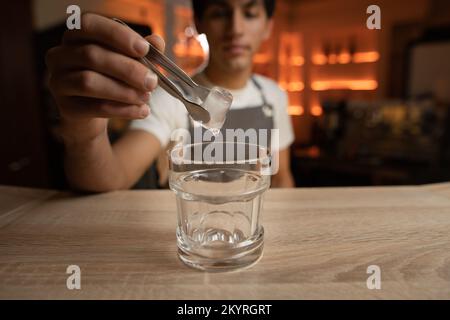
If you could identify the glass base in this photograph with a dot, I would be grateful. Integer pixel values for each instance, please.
(219, 257)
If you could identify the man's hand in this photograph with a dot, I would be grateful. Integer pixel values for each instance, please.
(94, 76)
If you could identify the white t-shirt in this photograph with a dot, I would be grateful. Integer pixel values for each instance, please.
(168, 113)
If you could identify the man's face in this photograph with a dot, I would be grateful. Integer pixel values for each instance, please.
(235, 30)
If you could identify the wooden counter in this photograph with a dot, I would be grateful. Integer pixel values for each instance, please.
(318, 245)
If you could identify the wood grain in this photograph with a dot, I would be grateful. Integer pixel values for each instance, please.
(318, 245)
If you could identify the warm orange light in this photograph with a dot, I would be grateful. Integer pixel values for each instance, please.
(316, 110)
(319, 59)
(344, 85)
(261, 58)
(283, 85)
(362, 57)
(313, 152)
(180, 50)
(332, 58)
(195, 51)
(344, 58)
(296, 110)
(296, 86)
(297, 61)
(183, 51)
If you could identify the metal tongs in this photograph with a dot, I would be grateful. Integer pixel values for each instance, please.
(191, 94)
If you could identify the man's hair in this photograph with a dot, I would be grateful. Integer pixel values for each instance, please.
(199, 7)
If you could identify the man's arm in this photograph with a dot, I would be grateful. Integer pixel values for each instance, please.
(99, 167)
(283, 178)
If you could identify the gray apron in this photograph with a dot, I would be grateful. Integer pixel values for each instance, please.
(256, 117)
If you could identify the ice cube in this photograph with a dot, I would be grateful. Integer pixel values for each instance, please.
(218, 102)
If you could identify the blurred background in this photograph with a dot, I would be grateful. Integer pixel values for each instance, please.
(369, 107)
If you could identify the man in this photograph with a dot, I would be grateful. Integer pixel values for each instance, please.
(94, 77)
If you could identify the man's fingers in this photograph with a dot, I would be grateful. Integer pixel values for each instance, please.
(110, 33)
(91, 84)
(85, 108)
(157, 41)
(95, 74)
(96, 58)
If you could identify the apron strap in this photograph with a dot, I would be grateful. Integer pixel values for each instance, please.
(261, 92)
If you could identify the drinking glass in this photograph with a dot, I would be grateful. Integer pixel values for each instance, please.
(219, 190)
